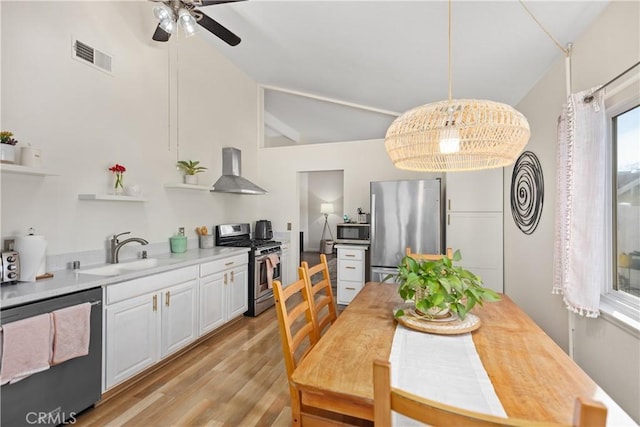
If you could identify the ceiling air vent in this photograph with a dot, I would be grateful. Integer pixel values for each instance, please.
(91, 56)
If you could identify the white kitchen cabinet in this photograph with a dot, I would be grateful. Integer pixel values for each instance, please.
(475, 223)
(131, 338)
(179, 316)
(147, 319)
(351, 272)
(477, 191)
(285, 275)
(224, 291)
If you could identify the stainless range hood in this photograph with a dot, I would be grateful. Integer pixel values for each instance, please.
(231, 181)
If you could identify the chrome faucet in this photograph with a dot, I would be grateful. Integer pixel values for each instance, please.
(116, 245)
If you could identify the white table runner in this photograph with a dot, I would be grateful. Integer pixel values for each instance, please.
(445, 368)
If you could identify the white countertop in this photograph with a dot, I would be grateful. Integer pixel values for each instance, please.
(69, 281)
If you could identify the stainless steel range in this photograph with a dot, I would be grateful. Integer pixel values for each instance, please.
(239, 235)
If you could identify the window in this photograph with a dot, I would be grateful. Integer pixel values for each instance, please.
(626, 177)
(623, 112)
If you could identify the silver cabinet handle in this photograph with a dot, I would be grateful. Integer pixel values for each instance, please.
(350, 255)
(351, 289)
(350, 268)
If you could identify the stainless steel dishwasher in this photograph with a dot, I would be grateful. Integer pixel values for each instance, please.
(57, 395)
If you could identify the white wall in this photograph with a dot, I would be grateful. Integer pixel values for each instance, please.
(607, 353)
(85, 120)
(361, 161)
(324, 187)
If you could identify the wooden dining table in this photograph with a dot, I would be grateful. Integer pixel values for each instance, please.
(532, 376)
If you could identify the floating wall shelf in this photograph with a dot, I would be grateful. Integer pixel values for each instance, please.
(25, 170)
(110, 197)
(189, 186)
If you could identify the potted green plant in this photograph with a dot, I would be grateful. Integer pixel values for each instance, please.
(190, 169)
(437, 287)
(7, 147)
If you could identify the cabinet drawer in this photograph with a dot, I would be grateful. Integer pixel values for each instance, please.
(223, 264)
(352, 254)
(347, 291)
(145, 285)
(350, 270)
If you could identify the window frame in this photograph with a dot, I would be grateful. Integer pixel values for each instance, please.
(616, 305)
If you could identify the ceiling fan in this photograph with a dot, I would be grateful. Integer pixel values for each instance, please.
(172, 13)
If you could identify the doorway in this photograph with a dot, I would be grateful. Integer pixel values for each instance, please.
(320, 192)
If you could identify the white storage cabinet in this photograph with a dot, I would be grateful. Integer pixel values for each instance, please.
(475, 222)
(224, 291)
(147, 319)
(351, 269)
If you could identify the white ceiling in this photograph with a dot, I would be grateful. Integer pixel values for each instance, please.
(391, 55)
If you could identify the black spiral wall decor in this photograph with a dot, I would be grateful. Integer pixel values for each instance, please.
(527, 192)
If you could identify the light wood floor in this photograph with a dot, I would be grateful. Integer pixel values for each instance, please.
(235, 378)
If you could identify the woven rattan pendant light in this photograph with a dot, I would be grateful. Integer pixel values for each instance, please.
(457, 134)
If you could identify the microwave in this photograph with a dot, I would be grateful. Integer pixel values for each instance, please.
(353, 233)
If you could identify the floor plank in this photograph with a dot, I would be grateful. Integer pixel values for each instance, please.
(234, 378)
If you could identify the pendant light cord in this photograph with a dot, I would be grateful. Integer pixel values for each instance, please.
(566, 52)
(450, 78)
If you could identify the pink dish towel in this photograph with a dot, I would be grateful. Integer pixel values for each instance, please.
(26, 347)
(272, 261)
(71, 332)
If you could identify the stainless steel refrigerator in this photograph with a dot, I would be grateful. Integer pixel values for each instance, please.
(404, 214)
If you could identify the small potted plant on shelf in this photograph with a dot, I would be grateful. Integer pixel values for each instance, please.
(190, 169)
(7, 147)
(438, 287)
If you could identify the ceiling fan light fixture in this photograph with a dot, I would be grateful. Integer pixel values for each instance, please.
(457, 134)
(165, 18)
(187, 22)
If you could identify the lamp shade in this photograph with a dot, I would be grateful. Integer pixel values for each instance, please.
(326, 208)
(491, 135)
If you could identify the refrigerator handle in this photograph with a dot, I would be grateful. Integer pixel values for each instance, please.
(372, 231)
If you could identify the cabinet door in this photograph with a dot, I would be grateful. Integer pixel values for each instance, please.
(347, 291)
(477, 191)
(237, 291)
(350, 270)
(284, 268)
(179, 316)
(212, 302)
(132, 343)
(478, 236)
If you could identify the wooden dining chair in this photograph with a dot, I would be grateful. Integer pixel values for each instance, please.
(298, 336)
(428, 257)
(324, 304)
(297, 327)
(587, 413)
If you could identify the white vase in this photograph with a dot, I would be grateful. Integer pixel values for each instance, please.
(191, 179)
(7, 153)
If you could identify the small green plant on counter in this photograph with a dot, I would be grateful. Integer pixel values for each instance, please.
(440, 285)
(190, 167)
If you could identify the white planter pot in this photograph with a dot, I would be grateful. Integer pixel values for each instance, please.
(7, 153)
(191, 179)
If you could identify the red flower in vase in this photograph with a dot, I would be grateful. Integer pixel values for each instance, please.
(118, 170)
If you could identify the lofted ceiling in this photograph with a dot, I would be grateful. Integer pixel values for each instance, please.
(389, 56)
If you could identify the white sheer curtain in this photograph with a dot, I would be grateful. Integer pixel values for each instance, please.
(580, 252)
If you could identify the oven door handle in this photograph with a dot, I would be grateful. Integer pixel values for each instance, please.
(263, 257)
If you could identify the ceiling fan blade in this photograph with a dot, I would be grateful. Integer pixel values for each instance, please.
(210, 2)
(161, 35)
(217, 29)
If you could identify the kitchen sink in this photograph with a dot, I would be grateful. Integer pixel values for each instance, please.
(123, 268)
